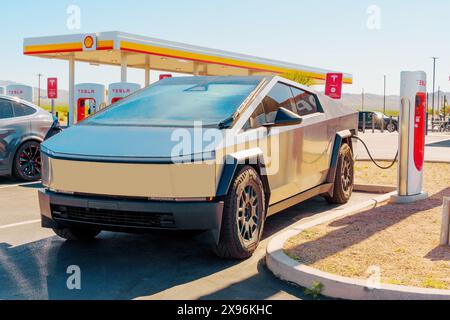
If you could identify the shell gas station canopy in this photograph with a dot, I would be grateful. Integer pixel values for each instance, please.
(134, 51)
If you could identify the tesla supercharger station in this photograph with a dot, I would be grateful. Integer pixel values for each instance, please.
(2, 90)
(20, 91)
(120, 90)
(89, 99)
(412, 137)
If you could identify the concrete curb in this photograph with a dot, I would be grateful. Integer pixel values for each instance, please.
(372, 188)
(335, 286)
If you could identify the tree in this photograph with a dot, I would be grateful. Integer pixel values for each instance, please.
(299, 77)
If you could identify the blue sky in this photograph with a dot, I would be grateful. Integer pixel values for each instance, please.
(322, 33)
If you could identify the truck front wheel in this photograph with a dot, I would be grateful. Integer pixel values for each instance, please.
(244, 216)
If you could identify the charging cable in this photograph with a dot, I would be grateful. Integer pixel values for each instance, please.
(371, 158)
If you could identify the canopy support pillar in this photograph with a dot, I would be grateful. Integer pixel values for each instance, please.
(147, 71)
(123, 67)
(72, 110)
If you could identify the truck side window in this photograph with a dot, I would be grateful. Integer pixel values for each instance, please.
(305, 102)
(257, 119)
(6, 110)
(279, 96)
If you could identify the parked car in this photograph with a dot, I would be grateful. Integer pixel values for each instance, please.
(23, 127)
(377, 118)
(269, 143)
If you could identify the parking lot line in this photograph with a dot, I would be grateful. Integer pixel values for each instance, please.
(17, 185)
(19, 224)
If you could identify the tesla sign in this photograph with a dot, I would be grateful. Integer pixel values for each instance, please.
(333, 87)
(52, 88)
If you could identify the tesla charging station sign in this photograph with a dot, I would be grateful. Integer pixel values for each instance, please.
(412, 137)
(52, 91)
(333, 87)
(52, 88)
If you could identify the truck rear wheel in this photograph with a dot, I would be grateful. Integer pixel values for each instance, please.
(244, 216)
(77, 234)
(344, 182)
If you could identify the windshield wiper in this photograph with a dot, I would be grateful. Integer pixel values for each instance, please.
(226, 124)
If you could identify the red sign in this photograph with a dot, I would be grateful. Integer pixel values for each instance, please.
(164, 76)
(333, 87)
(52, 88)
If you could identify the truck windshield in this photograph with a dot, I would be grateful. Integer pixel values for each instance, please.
(180, 102)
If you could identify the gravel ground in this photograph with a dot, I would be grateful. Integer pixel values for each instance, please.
(401, 240)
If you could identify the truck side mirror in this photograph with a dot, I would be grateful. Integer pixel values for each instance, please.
(283, 118)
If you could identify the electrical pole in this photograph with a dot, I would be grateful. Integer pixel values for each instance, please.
(445, 106)
(362, 97)
(439, 101)
(384, 96)
(39, 89)
(434, 86)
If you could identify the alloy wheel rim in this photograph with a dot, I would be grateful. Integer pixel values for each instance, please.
(391, 128)
(30, 161)
(347, 174)
(248, 216)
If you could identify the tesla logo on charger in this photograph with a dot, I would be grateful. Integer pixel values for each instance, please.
(14, 92)
(333, 87)
(90, 42)
(86, 91)
(121, 90)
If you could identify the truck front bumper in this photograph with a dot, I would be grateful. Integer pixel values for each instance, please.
(59, 211)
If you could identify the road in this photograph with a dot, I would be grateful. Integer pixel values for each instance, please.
(33, 262)
(384, 146)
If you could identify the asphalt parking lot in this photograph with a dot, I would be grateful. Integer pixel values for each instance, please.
(33, 262)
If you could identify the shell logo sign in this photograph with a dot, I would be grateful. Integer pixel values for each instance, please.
(90, 42)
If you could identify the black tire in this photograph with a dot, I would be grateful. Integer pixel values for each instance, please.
(76, 234)
(391, 128)
(243, 217)
(27, 162)
(344, 182)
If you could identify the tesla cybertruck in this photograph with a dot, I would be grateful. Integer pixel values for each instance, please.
(216, 154)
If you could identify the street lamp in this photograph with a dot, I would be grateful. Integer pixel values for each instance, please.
(39, 89)
(434, 86)
(384, 96)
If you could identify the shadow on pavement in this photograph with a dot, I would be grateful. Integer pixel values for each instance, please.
(440, 144)
(122, 266)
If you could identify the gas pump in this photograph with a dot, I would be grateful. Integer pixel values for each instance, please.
(412, 137)
(120, 90)
(89, 98)
(20, 91)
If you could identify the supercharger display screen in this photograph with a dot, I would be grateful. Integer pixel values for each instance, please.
(419, 130)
